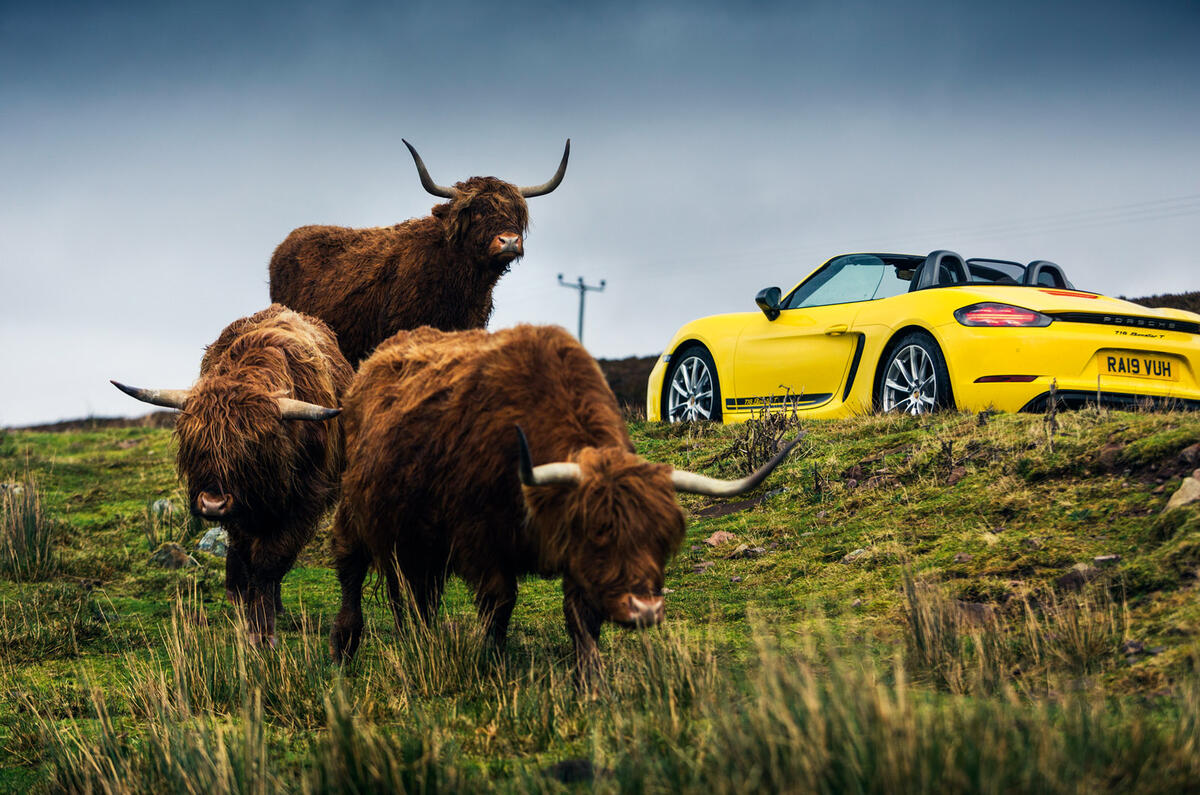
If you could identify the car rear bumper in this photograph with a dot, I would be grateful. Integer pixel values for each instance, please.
(1072, 357)
(1074, 399)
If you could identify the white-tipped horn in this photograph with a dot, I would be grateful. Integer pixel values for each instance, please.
(291, 409)
(562, 472)
(167, 398)
(692, 483)
(426, 180)
(546, 187)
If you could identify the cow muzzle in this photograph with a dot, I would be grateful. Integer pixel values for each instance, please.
(212, 506)
(641, 612)
(506, 246)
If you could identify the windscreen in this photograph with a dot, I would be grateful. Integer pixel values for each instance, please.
(852, 278)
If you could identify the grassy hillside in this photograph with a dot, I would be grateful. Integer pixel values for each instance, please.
(956, 601)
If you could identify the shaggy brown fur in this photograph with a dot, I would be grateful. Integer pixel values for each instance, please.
(431, 485)
(437, 271)
(281, 474)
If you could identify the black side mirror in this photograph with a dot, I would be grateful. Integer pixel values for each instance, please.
(768, 301)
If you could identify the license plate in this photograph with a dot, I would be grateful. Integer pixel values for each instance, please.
(1139, 366)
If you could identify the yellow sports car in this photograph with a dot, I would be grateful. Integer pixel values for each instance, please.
(902, 332)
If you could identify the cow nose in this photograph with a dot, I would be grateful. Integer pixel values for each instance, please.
(509, 243)
(213, 506)
(646, 612)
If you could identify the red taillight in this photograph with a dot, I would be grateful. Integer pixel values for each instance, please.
(1005, 315)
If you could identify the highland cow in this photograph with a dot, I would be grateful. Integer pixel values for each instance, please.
(433, 485)
(259, 448)
(437, 271)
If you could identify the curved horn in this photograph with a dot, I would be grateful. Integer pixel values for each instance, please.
(546, 187)
(692, 483)
(291, 409)
(546, 474)
(168, 398)
(426, 180)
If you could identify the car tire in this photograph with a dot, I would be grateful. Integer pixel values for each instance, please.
(691, 391)
(913, 366)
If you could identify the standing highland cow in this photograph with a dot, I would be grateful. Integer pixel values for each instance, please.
(258, 449)
(433, 485)
(437, 271)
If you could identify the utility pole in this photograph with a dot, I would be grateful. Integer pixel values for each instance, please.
(583, 289)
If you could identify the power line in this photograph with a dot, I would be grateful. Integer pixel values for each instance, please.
(583, 290)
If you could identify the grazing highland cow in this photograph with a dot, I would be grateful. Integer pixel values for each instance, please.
(249, 457)
(433, 485)
(437, 271)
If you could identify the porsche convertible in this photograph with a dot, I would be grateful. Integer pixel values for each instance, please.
(902, 332)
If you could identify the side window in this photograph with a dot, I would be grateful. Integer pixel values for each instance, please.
(856, 277)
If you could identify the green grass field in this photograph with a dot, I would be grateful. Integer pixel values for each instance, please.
(950, 602)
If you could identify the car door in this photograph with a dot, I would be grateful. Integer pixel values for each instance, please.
(803, 353)
(807, 350)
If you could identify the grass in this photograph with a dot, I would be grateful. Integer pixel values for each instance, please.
(935, 605)
(26, 534)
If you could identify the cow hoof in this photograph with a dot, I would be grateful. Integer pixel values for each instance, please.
(257, 640)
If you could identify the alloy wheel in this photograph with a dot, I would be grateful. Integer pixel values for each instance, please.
(910, 383)
(691, 393)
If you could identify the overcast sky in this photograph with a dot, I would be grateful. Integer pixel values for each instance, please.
(153, 155)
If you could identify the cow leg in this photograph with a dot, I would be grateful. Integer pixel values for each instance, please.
(352, 566)
(494, 601)
(267, 568)
(237, 572)
(427, 594)
(583, 622)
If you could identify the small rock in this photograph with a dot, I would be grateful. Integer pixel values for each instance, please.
(850, 557)
(215, 542)
(1159, 489)
(719, 537)
(1156, 650)
(1190, 456)
(977, 612)
(572, 771)
(747, 551)
(963, 557)
(735, 578)
(956, 474)
(774, 492)
(1132, 647)
(1107, 458)
(822, 514)
(856, 603)
(851, 484)
(1106, 560)
(172, 556)
(1189, 492)
(702, 567)
(697, 548)
(1079, 575)
(668, 591)
(807, 533)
